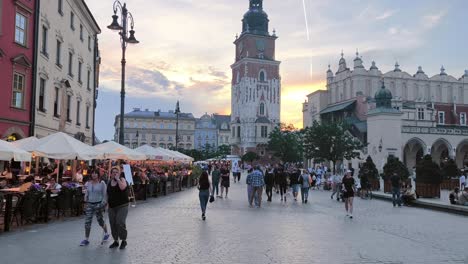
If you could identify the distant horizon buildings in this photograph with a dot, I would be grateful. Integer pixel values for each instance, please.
(158, 129)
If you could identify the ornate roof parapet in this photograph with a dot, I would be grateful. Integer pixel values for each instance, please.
(442, 71)
(373, 67)
(397, 67)
(358, 61)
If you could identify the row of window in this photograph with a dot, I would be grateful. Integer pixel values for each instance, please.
(43, 91)
(142, 136)
(263, 132)
(135, 145)
(155, 126)
(72, 23)
(441, 118)
(58, 59)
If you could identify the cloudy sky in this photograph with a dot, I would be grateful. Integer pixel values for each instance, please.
(186, 49)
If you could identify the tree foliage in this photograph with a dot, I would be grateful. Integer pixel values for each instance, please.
(286, 143)
(369, 169)
(330, 141)
(427, 171)
(394, 165)
(250, 157)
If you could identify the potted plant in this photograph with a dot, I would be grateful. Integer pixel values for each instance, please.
(393, 165)
(369, 170)
(428, 178)
(450, 174)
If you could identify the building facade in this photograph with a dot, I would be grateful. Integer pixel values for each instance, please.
(223, 129)
(256, 84)
(17, 42)
(205, 133)
(67, 70)
(157, 129)
(424, 115)
(212, 131)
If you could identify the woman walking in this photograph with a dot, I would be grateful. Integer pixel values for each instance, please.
(269, 183)
(306, 182)
(348, 185)
(96, 200)
(204, 185)
(118, 207)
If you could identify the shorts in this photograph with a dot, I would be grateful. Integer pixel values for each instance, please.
(348, 194)
(296, 187)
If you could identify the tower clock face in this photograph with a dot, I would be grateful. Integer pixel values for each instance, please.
(260, 45)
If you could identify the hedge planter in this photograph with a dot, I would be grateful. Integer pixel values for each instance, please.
(450, 184)
(425, 190)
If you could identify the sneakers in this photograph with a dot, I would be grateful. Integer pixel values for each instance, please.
(123, 245)
(203, 217)
(351, 216)
(105, 238)
(115, 244)
(84, 243)
(306, 201)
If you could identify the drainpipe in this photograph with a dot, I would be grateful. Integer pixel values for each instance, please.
(32, 111)
(96, 51)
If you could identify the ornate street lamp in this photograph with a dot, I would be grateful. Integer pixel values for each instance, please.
(177, 112)
(126, 37)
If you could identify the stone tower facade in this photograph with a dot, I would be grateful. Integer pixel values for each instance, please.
(256, 84)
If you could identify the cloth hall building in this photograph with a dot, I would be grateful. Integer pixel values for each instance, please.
(427, 114)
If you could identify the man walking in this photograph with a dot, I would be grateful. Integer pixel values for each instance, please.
(396, 183)
(257, 182)
(462, 182)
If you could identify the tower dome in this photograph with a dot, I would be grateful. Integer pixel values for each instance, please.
(383, 97)
(255, 21)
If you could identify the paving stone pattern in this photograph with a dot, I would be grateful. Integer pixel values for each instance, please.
(170, 230)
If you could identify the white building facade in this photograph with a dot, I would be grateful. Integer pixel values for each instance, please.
(67, 70)
(256, 84)
(429, 117)
(157, 128)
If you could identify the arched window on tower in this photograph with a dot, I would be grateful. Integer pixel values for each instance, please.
(261, 76)
(262, 109)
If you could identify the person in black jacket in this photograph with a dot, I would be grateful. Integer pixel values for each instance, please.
(269, 182)
(295, 178)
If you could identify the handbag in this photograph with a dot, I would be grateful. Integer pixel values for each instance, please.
(212, 199)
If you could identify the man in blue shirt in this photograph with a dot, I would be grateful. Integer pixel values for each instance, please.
(257, 182)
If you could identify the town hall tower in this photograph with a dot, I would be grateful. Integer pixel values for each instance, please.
(256, 84)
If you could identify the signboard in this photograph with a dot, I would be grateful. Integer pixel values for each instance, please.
(128, 173)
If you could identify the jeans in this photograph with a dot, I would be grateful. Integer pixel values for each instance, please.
(305, 193)
(204, 195)
(117, 218)
(249, 192)
(282, 188)
(396, 196)
(215, 188)
(256, 190)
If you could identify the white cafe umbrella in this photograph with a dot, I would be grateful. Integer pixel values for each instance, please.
(154, 153)
(172, 154)
(27, 144)
(114, 151)
(8, 151)
(65, 147)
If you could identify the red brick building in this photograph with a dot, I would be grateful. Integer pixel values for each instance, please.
(17, 35)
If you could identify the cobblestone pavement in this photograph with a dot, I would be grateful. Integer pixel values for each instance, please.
(170, 230)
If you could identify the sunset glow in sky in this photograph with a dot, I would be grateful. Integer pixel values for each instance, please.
(186, 48)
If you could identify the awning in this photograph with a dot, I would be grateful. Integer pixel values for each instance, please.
(338, 107)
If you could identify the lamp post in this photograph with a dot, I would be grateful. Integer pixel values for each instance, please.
(177, 112)
(122, 28)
